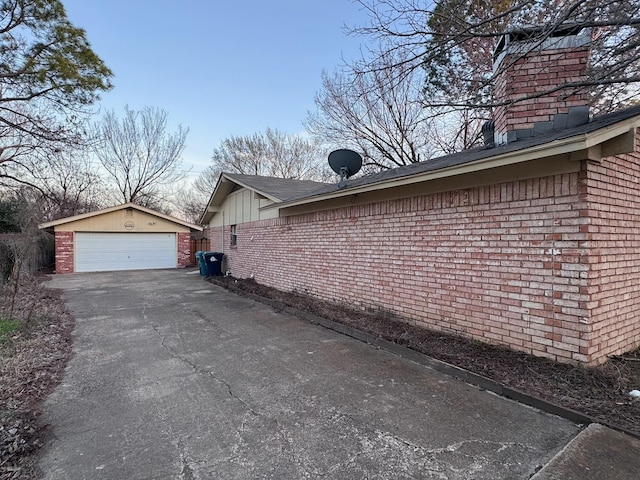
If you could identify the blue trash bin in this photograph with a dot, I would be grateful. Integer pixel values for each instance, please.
(213, 261)
(201, 264)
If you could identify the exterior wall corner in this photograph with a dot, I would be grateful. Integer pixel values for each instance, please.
(64, 248)
(183, 241)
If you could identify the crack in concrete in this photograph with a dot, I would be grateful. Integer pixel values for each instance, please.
(289, 449)
(187, 472)
(201, 371)
(454, 447)
(236, 456)
(374, 443)
(207, 319)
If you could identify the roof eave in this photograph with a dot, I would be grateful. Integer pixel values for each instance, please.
(82, 216)
(207, 214)
(570, 145)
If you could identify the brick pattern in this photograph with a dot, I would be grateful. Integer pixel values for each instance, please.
(64, 252)
(184, 249)
(217, 239)
(536, 72)
(507, 263)
(614, 263)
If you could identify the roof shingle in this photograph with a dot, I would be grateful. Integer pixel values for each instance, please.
(472, 155)
(281, 188)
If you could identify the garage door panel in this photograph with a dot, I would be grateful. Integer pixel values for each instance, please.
(100, 252)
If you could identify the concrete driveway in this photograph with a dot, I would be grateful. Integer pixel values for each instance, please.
(175, 378)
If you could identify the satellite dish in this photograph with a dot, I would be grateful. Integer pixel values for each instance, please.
(345, 163)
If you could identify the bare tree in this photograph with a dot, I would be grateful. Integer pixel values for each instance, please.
(189, 203)
(190, 199)
(379, 116)
(48, 76)
(457, 130)
(451, 41)
(273, 153)
(206, 182)
(139, 153)
(68, 184)
(62, 183)
(293, 156)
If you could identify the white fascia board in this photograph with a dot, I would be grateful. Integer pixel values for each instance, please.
(558, 147)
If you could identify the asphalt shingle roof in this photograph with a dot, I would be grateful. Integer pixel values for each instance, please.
(283, 189)
(472, 155)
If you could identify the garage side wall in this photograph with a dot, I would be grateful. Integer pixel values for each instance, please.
(64, 252)
(500, 263)
(184, 249)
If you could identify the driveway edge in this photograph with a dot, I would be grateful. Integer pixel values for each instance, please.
(422, 359)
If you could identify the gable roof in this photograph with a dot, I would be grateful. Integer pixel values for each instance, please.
(279, 189)
(275, 189)
(617, 128)
(62, 221)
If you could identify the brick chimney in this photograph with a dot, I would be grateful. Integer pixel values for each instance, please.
(526, 66)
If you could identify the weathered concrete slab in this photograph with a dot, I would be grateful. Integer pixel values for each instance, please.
(596, 453)
(173, 377)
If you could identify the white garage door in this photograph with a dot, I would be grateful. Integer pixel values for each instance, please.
(101, 252)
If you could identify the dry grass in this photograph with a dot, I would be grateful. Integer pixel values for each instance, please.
(35, 345)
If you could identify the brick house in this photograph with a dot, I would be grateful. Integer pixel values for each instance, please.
(532, 242)
(124, 237)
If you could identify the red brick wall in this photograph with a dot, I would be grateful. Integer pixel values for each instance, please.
(217, 239)
(614, 242)
(184, 249)
(64, 252)
(501, 263)
(549, 266)
(536, 72)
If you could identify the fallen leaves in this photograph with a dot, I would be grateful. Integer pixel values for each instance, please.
(31, 365)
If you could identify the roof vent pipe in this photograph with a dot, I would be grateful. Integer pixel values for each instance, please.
(488, 131)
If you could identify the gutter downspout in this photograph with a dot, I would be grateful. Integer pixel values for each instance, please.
(222, 271)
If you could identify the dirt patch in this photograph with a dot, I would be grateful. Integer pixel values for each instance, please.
(32, 362)
(601, 393)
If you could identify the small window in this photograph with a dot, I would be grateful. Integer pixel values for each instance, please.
(234, 235)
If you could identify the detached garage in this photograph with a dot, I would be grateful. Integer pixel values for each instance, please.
(125, 237)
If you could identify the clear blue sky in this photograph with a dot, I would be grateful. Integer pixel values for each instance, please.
(219, 67)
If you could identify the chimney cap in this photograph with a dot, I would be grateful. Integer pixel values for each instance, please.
(537, 32)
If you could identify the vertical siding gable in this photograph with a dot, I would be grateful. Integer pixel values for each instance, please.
(242, 206)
